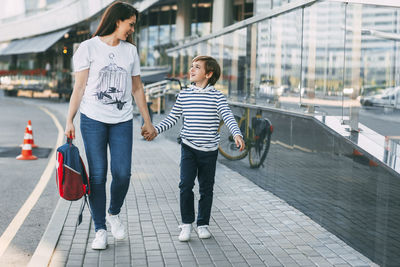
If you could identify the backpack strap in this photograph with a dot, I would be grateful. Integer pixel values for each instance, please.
(69, 141)
(84, 203)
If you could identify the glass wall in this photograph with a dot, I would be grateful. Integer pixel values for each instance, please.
(278, 58)
(323, 55)
(230, 52)
(372, 56)
(330, 57)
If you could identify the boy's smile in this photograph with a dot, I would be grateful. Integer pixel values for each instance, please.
(198, 74)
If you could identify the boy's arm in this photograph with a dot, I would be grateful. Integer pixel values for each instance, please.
(227, 116)
(172, 117)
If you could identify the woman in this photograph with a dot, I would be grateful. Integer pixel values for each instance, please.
(106, 72)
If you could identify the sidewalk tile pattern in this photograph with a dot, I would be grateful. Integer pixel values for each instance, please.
(250, 226)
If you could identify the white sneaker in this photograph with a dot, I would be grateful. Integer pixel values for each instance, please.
(185, 232)
(117, 228)
(203, 232)
(100, 242)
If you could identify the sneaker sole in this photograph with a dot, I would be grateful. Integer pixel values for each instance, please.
(183, 239)
(99, 248)
(119, 238)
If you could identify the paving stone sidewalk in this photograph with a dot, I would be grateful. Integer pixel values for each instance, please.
(250, 226)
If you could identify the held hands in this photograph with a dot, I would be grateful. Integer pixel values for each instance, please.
(148, 131)
(239, 142)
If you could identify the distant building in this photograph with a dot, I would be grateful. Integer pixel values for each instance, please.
(304, 48)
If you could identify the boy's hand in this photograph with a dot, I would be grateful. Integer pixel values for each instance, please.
(148, 131)
(239, 142)
(148, 136)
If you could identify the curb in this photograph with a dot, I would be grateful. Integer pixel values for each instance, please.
(48, 242)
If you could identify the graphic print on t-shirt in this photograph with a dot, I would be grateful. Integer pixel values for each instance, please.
(112, 86)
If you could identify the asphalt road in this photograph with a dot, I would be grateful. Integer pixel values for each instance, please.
(19, 177)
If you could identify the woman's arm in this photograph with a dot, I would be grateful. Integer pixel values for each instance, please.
(140, 99)
(81, 78)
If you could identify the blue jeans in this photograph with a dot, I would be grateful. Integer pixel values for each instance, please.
(201, 164)
(96, 136)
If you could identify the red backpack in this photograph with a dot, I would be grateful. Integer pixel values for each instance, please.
(71, 177)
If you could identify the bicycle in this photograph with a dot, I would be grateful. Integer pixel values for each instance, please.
(257, 139)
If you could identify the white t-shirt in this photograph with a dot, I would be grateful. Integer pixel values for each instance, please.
(108, 93)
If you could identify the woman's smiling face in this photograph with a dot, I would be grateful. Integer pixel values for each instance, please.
(125, 28)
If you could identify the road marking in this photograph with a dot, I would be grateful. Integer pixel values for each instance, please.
(19, 219)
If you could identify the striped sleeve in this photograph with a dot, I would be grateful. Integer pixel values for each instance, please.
(227, 116)
(172, 117)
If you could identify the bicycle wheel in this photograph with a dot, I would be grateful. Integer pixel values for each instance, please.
(259, 147)
(227, 146)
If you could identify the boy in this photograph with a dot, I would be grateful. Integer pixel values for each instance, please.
(200, 105)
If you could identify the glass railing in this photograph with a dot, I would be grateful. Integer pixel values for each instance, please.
(330, 58)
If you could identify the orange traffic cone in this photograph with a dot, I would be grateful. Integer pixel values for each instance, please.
(29, 129)
(31, 132)
(26, 153)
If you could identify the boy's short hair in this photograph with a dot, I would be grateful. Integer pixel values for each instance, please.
(211, 65)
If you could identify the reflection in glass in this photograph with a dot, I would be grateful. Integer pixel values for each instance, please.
(217, 46)
(226, 75)
(184, 66)
(153, 40)
(143, 45)
(233, 58)
(322, 72)
(202, 48)
(372, 64)
(165, 39)
(278, 58)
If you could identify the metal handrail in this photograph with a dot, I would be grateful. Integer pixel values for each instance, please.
(156, 89)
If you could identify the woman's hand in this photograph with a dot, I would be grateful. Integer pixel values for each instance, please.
(70, 130)
(148, 131)
(239, 142)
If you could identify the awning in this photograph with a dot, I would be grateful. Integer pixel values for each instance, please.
(35, 44)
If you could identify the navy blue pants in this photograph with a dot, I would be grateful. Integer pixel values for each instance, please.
(200, 164)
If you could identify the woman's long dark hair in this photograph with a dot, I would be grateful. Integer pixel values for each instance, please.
(116, 11)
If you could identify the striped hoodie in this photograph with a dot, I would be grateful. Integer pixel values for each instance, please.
(201, 109)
